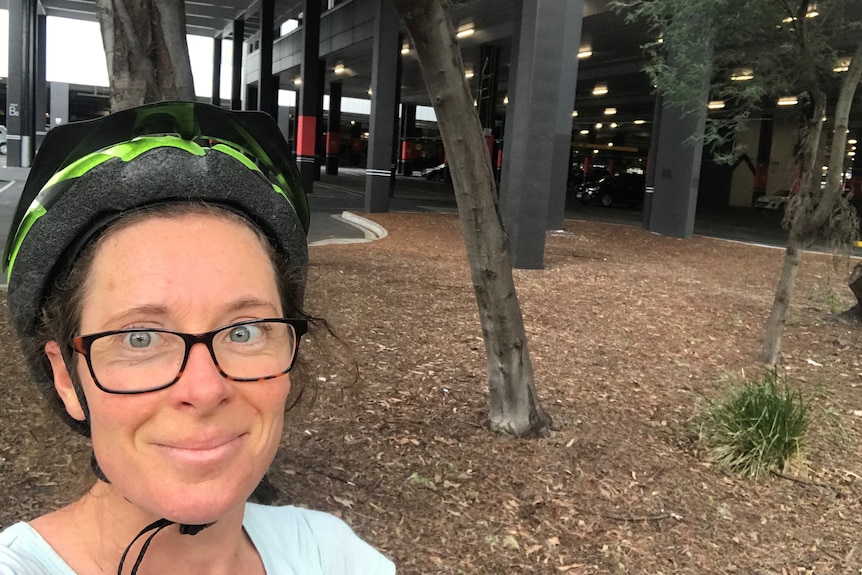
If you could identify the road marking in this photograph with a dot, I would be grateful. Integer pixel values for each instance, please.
(7, 186)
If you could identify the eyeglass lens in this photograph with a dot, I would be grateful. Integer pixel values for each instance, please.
(142, 359)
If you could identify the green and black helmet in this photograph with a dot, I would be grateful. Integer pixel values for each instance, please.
(88, 174)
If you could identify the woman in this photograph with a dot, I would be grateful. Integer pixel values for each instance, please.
(156, 281)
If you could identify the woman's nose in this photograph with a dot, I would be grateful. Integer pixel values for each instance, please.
(201, 384)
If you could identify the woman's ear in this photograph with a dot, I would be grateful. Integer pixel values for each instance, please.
(63, 381)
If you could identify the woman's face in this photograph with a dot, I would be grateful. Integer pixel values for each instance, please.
(195, 450)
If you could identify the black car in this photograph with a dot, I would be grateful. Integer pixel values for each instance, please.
(439, 173)
(618, 189)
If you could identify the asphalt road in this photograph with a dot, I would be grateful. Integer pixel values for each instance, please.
(333, 195)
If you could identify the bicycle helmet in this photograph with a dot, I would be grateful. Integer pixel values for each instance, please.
(88, 174)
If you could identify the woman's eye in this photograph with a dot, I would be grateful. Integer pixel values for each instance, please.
(243, 333)
(141, 339)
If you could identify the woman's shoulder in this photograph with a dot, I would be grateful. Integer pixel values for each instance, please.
(304, 538)
(24, 552)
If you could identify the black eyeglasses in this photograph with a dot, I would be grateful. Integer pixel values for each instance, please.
(140, 360)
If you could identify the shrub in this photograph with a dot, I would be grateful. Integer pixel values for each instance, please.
(758, 427)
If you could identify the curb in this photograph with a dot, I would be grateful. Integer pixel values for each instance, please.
(371, 230)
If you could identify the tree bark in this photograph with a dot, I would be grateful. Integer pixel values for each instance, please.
(514, 404)
(146, 50)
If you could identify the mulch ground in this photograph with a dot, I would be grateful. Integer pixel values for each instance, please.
(631, 335)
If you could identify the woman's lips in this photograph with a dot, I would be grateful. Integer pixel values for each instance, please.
(202, 452)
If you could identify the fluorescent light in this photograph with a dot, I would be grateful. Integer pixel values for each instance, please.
(851, 154)
(463, 33)
(610, 144)
(742, 75)
(716, 105)
(614, 125)
(584, 132)
(405, 49)
(584, 53)
(787, 101)
(297, 81)
(639, 122)
(574, 113)
(851, 142)
(468, 74)
(600, 90)
(370, 91)
(812, 12)
(610, 111)
(599, 126)
(339, 69)
(842, 66)
(506, 100)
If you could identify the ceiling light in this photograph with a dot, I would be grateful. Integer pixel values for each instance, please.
(600, 90)
(339, 69)
(599, 126)
(812, 12)
(595, 151)
(851, 142)
(370, 91)
(610, 111)
(405, 49)
(716, 105)
(584, 132)
(742, 75)
(851, 154)
(506, 100)
(639, 122)
(468, 74)
(610, 144)
(297, 81)
(842, 66)
(574, 113)
(787, 101)
(463, 33)
(614, 125)
(585, 53)
(789, 19)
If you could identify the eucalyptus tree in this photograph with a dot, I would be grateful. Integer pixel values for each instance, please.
(749, 53)
(514, 404)
(146, 49)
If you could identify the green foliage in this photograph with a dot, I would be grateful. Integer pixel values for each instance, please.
(704, 43)
(758, 427)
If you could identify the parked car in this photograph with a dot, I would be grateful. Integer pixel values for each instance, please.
(772, 203)
(617, 189)
(3, 140)
(437, 173)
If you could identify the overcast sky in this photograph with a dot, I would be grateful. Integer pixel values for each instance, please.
(75, 55)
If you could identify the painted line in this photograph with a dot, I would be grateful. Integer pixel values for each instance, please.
(386, 173)
(7, 186)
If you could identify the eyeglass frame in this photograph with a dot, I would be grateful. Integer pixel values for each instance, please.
(82, 344)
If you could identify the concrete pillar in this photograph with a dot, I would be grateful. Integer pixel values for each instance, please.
(59, 103)
(677, 171)
(542, 89)
(215, 99)
(21, 87)
(651, 166)
(764, 151)
(320, 135)
(408, 133)
(333, 129)
(266, 101)
(309, 99)
(40, 117)
(236, 73)
(562, 145)
(384, 96)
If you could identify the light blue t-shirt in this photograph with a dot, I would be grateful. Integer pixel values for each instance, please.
(290, 541)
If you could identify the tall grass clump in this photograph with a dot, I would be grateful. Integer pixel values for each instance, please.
(758, 427)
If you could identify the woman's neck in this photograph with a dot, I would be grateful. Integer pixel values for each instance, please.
(92, 534)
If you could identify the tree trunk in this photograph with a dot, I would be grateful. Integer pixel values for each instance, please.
(515, 408)
(855, 283)
(146, 50)
(815, 207)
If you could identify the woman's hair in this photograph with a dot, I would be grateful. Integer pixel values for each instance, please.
(61, 314)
